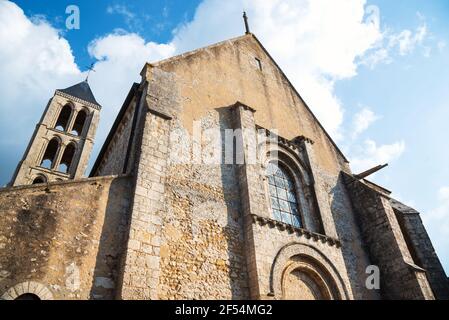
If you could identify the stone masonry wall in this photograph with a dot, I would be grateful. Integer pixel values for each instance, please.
(192, 233)
(203, 249)
(114, 158)
(270, 238)
(424, 253)
(400, 278)
(66, 236)
(141, 268)
(219, 75)
(263, 240)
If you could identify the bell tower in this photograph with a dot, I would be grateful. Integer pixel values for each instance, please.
(63, 139)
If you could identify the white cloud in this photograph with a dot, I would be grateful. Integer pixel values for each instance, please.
(117, 69)
(132, 20)
(381, 55)
(362, 120)
(315, 42)
(299, 34)
(437, 224)
(34, 61)
(406, 41)
(120, 9)
(370, 154)
(402, 43)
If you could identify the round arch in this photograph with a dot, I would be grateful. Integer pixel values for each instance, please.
(64, 116)
(68, 156)
(315, 271)
(305, 193)
(40, 178)
(81, 119)
(28, 288)
(276, 152)
(51, 151)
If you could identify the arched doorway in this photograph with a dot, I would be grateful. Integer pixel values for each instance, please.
(303, 282)
(302, 272)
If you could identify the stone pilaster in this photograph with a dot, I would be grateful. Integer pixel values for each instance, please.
(423, 250)
(251, 189)
(141, 266)
(322, 202)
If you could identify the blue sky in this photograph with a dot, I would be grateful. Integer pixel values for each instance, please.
(379, 89)
(153, 20)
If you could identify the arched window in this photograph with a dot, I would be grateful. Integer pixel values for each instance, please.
(39, 179)
(63, 119)
(50, 154)
(67, 158)
(27, 296)
(284, 203)
(28, 290)
(79, 123)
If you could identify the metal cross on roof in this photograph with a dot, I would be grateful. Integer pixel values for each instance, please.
(245, 19)
(91, 68)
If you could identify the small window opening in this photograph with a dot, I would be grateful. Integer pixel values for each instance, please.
(27, 296)
(259, 63)
(39, 179)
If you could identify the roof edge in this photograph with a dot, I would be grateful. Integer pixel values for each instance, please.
(250, 35)
(82, 101)
(300, 97)
(114, 127)
(191, 52)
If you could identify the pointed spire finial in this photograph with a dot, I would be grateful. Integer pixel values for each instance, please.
(91, 68)
(245, 19)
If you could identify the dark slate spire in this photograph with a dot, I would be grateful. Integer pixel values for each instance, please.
(82, 91)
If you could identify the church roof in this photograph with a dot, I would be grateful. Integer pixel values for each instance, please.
(81, 91)
(399, 206)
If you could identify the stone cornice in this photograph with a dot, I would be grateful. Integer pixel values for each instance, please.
(298, 231)
(300, 139)
(160, 114)
(294, 144)
(63, 182)
(244, 106)
(84, 102)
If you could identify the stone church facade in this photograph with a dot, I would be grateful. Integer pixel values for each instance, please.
(169, 211)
